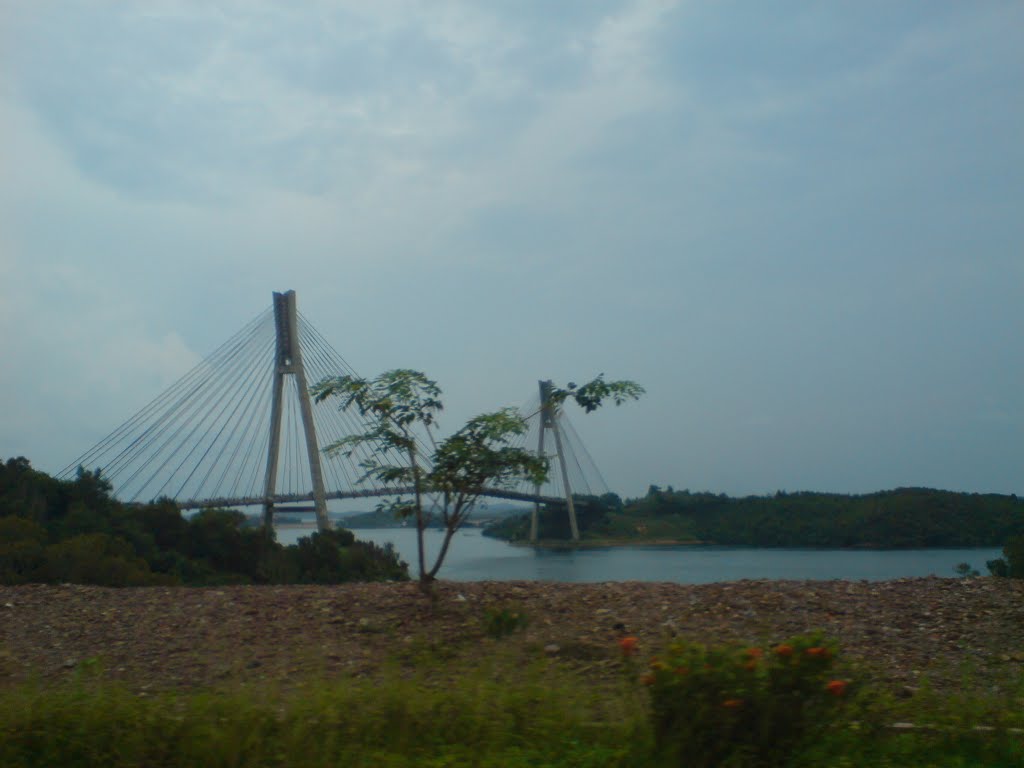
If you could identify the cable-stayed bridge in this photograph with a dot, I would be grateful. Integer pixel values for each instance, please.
(240, 429)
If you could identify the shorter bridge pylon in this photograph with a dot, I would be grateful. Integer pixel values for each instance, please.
(549, 413)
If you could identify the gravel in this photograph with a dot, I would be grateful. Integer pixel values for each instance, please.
(156, 638)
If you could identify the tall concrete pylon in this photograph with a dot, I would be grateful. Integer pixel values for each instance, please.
(549, 420)
(288, 361)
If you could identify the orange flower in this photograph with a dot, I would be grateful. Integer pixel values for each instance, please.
(647, 679)
(682, 671)
(732, 703)
(818, 652)
(753, 653)
(750, 665)
(628, 645)
(836, 687)
(784, 650)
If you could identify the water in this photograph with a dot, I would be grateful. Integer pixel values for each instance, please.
(473, 557)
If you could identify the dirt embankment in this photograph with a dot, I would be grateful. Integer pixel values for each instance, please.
(181, 637)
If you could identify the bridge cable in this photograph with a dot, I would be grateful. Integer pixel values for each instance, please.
(154, 404)
(257, 424)
(184, 383)
(331, 427)
(260, 382)
(324, 343)
(191, 409)
(231, 370)
(245, 395)
(575, 458)
(207, 367)
(228, 396)
(350, 423)
(590, 461)
(166, 420)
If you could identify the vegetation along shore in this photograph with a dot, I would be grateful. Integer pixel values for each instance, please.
(904, 518)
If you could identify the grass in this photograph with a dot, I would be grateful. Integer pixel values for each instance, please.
(498, 714)
(929, 730)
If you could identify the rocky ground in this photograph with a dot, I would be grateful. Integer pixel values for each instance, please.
(153, 638)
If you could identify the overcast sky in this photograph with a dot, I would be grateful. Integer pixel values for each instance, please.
(799, 225)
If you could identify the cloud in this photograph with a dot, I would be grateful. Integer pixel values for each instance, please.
(82, 348)
(788, 216)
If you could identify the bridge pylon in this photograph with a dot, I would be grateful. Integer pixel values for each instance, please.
(288, 362)
(549, 413)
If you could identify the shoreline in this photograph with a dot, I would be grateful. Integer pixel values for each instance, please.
(564, 545)
(604, 543)
(549, 544)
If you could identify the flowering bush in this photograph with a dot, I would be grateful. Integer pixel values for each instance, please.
(628, 645)
(742, 706)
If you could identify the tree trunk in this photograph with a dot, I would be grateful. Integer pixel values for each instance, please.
(426, 584)
(419, 513)
(448, 533)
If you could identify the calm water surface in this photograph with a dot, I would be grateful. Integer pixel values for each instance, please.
(473, 557)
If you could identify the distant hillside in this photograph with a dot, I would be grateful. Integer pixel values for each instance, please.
(899, 519)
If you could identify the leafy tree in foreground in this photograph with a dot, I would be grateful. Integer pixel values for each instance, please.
(480, 455)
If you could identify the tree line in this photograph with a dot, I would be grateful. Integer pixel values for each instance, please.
(904, 518)
(57, 531)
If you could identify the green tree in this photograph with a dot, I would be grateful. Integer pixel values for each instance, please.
(553, 520)
(163, 521)
(97, 558)
(24, 491)
(612, 502)
(399, 404)
(1011, 564)
(22, 550)
(329, 557)
(220, 538)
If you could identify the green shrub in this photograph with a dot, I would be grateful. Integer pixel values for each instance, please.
(1011, 564)
(742, 707)
(504, 620)
(965, 570)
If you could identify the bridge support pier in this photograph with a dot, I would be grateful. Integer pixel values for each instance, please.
(288, 360)
(549, 420)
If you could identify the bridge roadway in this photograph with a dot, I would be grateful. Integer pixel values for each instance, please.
(252, 501)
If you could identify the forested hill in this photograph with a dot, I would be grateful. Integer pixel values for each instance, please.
(75, 531)
(901, 518)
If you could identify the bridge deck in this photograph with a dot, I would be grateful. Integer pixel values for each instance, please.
(251, 501)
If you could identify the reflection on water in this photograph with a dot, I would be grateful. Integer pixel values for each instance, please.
(473, 557)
